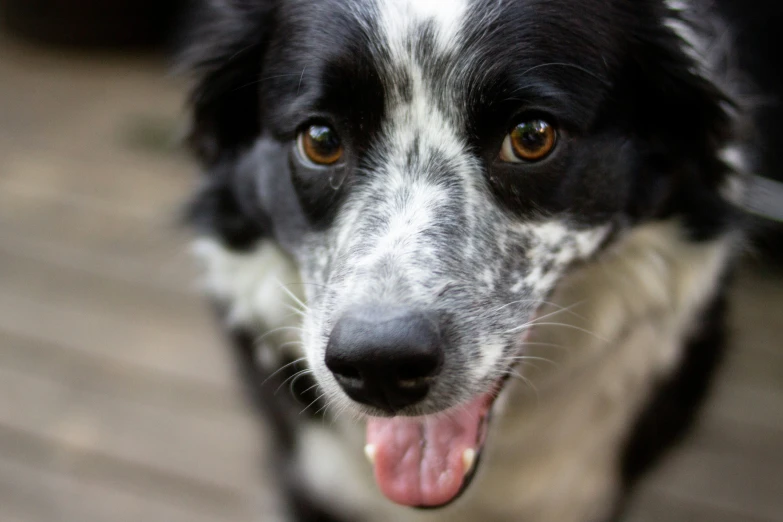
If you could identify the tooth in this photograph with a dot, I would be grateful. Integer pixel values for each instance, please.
(469, 460)
(369, 452)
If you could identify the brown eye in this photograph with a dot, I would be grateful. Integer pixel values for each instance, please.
(531, 140)
(320, 144)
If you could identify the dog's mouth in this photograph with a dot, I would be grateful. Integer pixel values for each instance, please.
(428, 462)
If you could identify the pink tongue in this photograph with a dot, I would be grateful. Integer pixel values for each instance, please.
(418, 461)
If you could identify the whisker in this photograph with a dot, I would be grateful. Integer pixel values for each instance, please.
(300, 283)
(290, 343)
(324, 409)
(531, 358)
(315, 401)
(295, 310)
(561, 309)
(528, 382)
(301, 359)
(536, 343)
(339, 412)
(291, 295)
(300, 372)
(299, 88)
(296, 378)
(512, 303)
(261, 338)
(573, 327)
(536, 301)
(262, 80)
(569, 65)
(536, 320)
(310, 388)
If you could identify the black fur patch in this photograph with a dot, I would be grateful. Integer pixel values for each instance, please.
(266, 388)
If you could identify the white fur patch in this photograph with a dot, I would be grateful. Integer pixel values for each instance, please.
(253, 286)
(638, 303)
(734, 188)
(323, 461)
(705, 38)
(399, 18)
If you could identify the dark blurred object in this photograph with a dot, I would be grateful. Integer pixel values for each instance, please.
(758, 35)
(92, 23)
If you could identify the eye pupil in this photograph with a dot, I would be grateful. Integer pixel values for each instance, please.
(324, 139)
(533, 140)
(321, 145)
(532, 135)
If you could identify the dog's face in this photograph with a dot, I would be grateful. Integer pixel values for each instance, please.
(435, 168)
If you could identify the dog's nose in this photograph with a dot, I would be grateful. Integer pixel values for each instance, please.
(384, 358)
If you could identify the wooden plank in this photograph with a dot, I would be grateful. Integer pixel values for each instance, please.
(204, 449)
(721, 435)
(116, 399)
(160, 330)
(725, 483)
(652, 507)
(74, 286)
(752, 363)
(104, 376)
(63, 232)
(108, 187)
(195, 353)
(164, 267)
(29, 494)
(93, 95)
(752, 406)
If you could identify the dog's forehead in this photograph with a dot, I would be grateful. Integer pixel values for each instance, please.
(343, 55)
(418, 40)
(463, 53)
(400, 19)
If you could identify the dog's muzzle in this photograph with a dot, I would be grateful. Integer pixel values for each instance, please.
(389, 359)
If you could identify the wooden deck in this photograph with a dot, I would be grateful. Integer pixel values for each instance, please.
(116, 399)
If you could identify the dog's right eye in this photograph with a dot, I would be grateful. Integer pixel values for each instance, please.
(530, 141)
(320, 145)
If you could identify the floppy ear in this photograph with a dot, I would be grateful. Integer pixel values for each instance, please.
(683, 115)
(684, 81)
(224, 54)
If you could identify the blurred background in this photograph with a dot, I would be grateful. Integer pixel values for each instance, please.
(117, 401)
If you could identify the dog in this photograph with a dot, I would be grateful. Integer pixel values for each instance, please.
(472, 255)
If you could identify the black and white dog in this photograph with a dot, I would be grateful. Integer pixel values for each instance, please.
(483, 243)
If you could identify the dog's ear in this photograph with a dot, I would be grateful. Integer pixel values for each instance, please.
(224, 54)
(682, 112)
(677, 80)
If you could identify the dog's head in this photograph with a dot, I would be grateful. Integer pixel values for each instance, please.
(434, 168)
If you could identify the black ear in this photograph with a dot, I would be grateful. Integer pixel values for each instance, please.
(683, 84)
(224, 53)
(677, 105)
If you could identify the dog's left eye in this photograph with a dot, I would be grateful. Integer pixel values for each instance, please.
(530, 141)
(320, 144)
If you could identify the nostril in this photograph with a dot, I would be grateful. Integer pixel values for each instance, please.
(415, 372)
(408, 372)
(349, 372)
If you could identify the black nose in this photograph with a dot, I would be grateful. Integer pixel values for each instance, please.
(383, 358)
